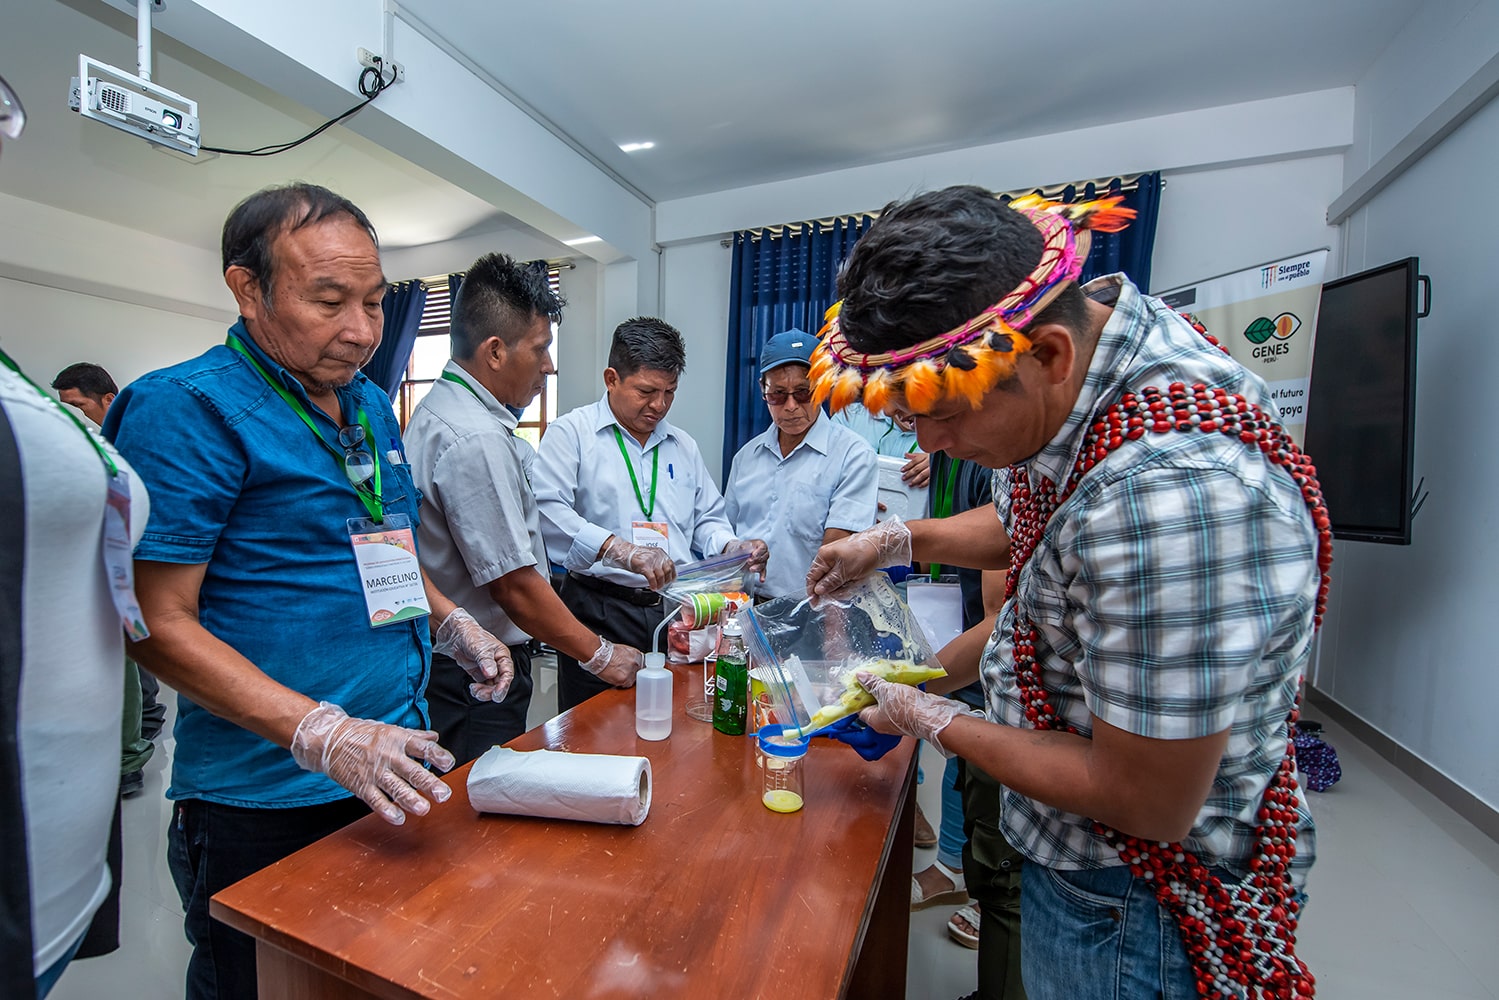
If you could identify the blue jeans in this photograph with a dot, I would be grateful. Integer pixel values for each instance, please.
(49, 978)
(950, 838)
(1099, 935)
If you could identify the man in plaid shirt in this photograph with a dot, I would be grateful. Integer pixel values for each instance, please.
(1167, 603)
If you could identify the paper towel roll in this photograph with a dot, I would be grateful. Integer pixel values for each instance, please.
(595, 788)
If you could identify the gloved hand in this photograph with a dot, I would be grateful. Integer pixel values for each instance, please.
(616, 664)
(374, 760)
(758, 550)
(647, 560)
(840, 563)
(904, 709)
(867, 743)
(485, 658)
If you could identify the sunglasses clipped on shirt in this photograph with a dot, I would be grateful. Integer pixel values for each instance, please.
(359, 463)
(12, 115)
(778, 397)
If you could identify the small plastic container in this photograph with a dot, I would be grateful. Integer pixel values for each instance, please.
(653, 699)
(780, 759)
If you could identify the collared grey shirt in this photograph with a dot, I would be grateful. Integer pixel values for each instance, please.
(585, 493)
(479, 517)
(830, 480)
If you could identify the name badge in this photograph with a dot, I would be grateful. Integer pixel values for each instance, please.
(118, 564)
(388, 569)
(649, 533)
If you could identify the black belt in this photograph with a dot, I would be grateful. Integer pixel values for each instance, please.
(638, 596)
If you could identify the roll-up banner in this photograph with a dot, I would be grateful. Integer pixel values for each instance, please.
(1267, 319)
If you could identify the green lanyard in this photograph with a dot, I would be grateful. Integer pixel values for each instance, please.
(450, 377)
(619, 439)
(371, 502)
(946, 499)
(67, 411)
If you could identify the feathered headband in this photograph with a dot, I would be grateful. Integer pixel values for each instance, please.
(970, 359)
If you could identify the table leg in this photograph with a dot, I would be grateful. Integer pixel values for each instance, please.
(880, 970)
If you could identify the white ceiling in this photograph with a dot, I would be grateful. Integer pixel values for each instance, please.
(732, 94)
(742, 93)
(82, 166)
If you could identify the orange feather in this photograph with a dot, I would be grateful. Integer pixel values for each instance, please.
(877, 391)
(923, 386)
(845, 389)
(972, 385)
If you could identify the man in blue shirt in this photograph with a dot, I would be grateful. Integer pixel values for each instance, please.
(804, 480)
(274, 459)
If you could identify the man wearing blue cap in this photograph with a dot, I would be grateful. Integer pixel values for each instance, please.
(805, 480)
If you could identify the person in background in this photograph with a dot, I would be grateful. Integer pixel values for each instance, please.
(62, 652)
(891, 437)
(1168, 552)
(624, 497)
(959, 485)
(88, 387)
(480, 537)
(275, 461)
(804, 480)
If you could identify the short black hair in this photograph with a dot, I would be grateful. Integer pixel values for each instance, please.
(937, 260)
(255, 223)
(500, 298)
(647, 342)
(89, 379)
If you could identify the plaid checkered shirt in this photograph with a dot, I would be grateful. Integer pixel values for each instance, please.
(1172, 593)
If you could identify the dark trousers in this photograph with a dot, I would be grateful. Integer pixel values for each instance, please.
(612, 616)
(211, 847)
(468, 727)
(991, 868)
(153, 712)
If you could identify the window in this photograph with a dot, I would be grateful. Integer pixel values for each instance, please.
(431, 352)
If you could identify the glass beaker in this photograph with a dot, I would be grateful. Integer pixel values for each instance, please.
(703, 710)
(780, 759)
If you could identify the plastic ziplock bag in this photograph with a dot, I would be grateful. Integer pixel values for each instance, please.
(806, 653)
(702, 590)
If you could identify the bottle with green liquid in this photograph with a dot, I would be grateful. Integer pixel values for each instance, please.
(731, 699)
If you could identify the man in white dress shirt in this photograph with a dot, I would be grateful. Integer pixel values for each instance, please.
(625, 497)
(805, 480)
(480, 535)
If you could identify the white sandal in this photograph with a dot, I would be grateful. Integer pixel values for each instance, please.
(957, 894)
(971, 915)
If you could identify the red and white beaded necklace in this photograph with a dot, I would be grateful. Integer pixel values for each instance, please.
(1241, 940)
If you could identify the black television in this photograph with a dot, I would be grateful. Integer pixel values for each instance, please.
(1361, 405)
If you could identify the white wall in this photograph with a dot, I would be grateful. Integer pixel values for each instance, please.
(46, 329)
(695, 300)
(1407, 644)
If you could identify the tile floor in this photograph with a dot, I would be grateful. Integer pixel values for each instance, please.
(1404, 897)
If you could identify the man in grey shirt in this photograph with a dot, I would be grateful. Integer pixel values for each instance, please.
(480, 533)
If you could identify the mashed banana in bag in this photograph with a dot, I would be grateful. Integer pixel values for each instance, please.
(855, 698)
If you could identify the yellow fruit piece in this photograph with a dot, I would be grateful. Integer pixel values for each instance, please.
(856, 699)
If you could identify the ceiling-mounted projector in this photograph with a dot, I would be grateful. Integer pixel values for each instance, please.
(136, 105)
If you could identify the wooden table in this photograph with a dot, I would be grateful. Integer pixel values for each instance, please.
(713, 896)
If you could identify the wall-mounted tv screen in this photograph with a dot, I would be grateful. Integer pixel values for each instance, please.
(1361, 407)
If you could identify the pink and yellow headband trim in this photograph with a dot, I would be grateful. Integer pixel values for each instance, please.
(972, 358)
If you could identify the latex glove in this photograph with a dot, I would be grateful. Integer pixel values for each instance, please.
(616, 664)
(758, 550)
(867, 743)
(485, 658)
(917, 471)
(647, 560)
(374, 760)
(904, 709)
(840, 563)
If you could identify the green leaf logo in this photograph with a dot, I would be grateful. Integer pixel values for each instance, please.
(1259, 331)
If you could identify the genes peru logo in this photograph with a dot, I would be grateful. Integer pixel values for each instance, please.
(1263, 331)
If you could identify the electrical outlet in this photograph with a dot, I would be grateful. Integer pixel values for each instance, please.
(373, 61)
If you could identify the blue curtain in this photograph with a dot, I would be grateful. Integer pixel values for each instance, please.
(778, 283)
(1130, 250)
(403, 315)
